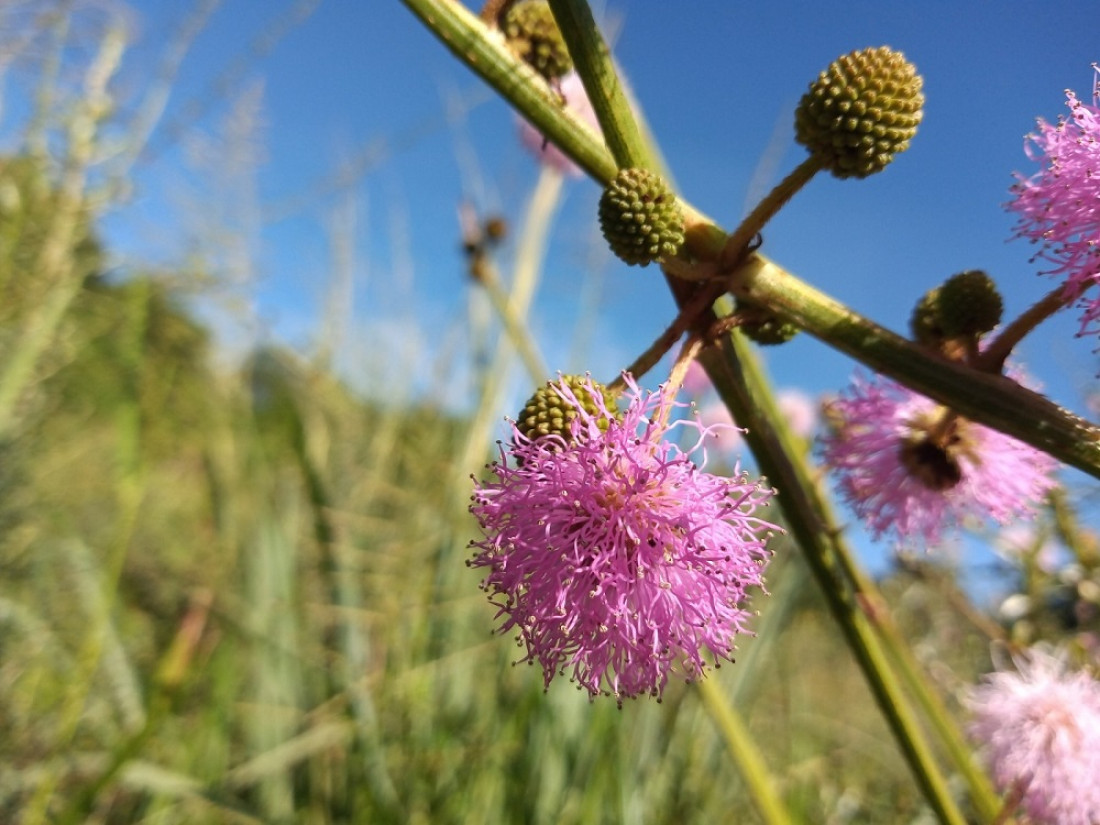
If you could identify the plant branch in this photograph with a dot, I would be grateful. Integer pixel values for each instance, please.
(987, 399)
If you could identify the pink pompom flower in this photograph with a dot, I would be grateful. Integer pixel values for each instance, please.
(613, 555)
(1040, 729)
(1059, 206)
(910, 467)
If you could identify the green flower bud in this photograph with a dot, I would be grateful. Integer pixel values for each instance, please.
(533, 34)
(640, 218)
(969, 304)
(861, 111)
(925, 320)
(547, 412)
(766, 329)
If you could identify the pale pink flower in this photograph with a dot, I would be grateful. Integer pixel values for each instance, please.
(910, 467)
(716, 417)
(1040, 729)
(577, 103)
(798, 409)
(612, 555)
(1059, 206)
(696, 380)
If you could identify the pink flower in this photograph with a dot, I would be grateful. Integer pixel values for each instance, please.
(1040, 727)
(909, 466)
(613, 555)
(799, 410)
(1059, 206)
(577, 102)
(716, 417)
(696, 380)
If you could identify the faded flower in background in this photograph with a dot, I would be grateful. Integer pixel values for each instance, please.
(577, 103)
(1059, 206)
(910, 467)
(1040, 729)
(612, 554)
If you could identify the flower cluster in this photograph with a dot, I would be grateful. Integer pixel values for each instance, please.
(1059, 206)
(909, 466)
(612, 554)
(1040, 727)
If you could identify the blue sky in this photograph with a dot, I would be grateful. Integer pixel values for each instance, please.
(718, 82)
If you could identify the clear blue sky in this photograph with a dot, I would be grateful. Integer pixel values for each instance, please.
(718, 82)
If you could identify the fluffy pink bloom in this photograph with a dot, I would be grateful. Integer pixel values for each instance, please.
(578, 104)
(909, 466)
(1059, 206)
(1040, 728)
(613, 556)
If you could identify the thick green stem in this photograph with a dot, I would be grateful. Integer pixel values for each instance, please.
(981, 790)
(992, 400)
(592, 60)
(744, 390)
(484, 52)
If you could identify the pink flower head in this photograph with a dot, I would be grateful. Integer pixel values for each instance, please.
(578, 104)
(1040, 727)
(612, 554)
(910, 466)
(1059, 206)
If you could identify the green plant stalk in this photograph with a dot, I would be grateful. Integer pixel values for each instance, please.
(749, 760)
(592, 60)
(1001, 347)
(985, 798)
(764, 211)
(742, 387)
(987, 399)
(472, 42)
(992, 400)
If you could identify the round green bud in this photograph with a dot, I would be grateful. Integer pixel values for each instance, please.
(533, 34)
(640, 218)
(767, 330)
(861, 111)
(969, 304)
(547, 412)
(925, 320)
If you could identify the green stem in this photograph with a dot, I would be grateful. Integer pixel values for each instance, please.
(738, 242)
(688, 316)
(988, 399)
(744, 390)
(749, 760)
(992, 400)
(472, 42)
(592, 60)
(981, 790)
